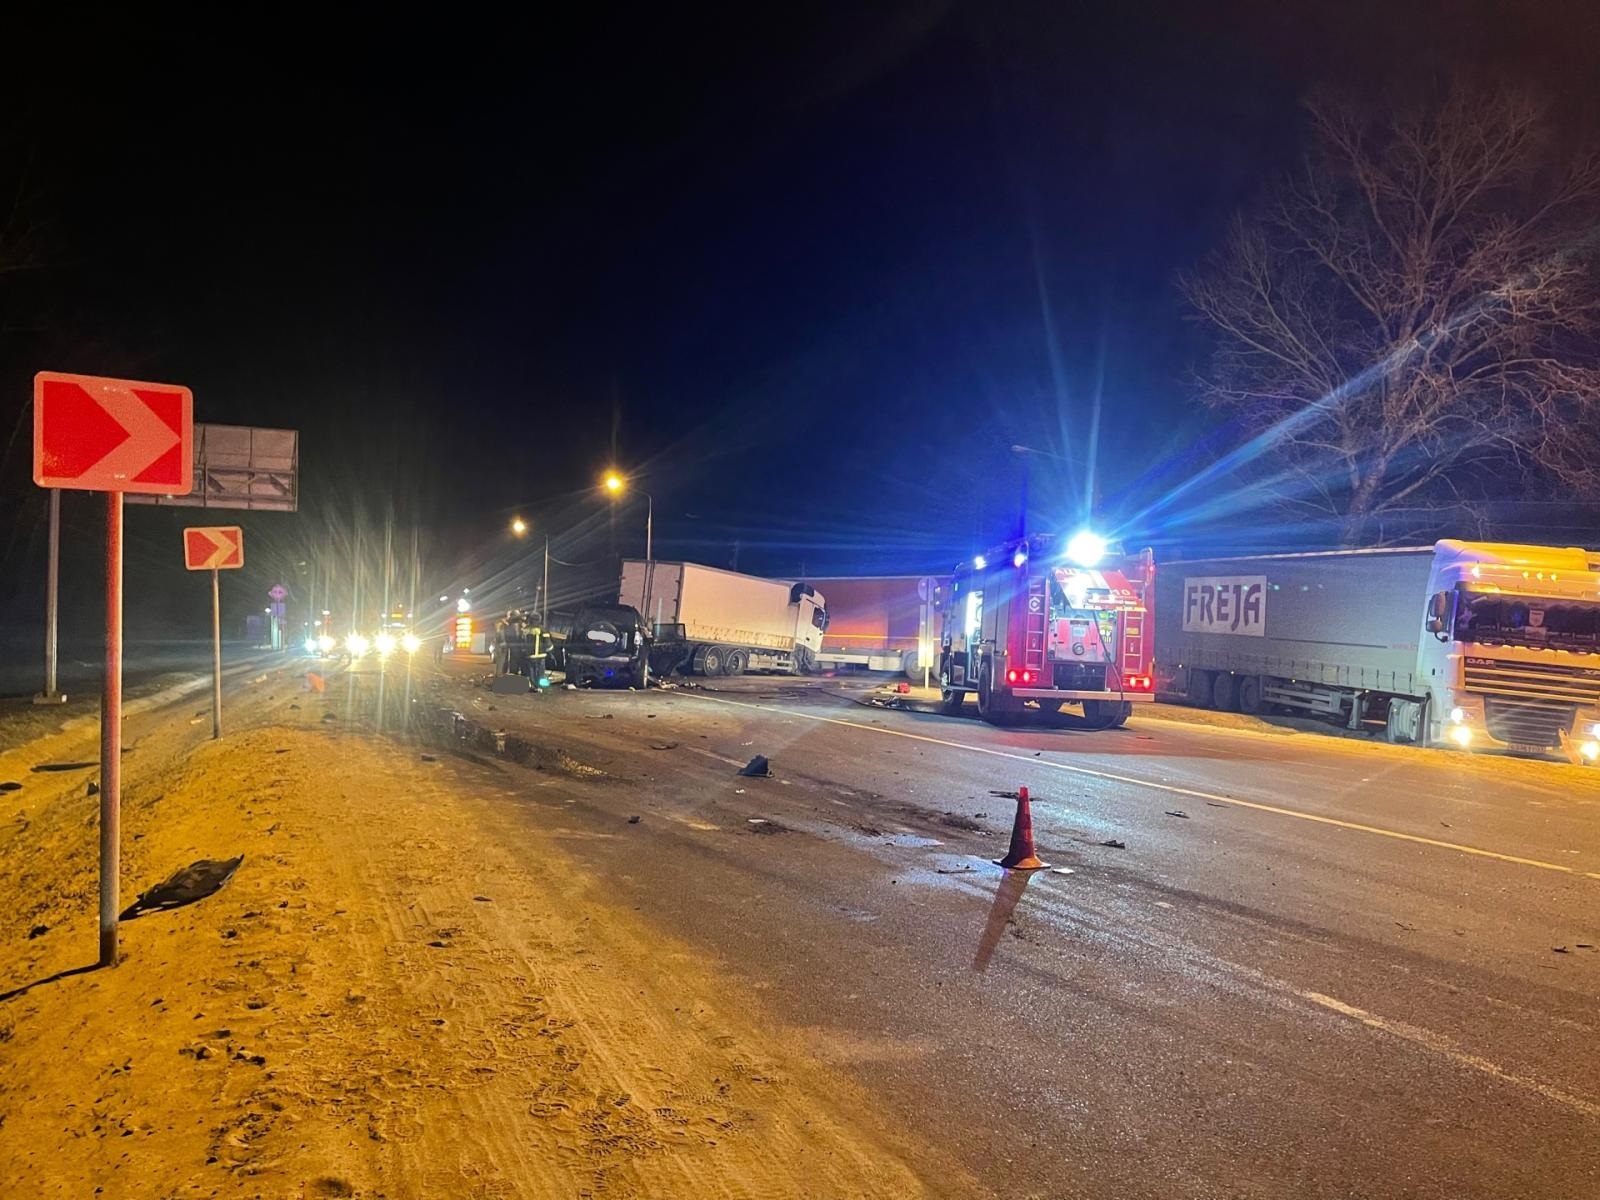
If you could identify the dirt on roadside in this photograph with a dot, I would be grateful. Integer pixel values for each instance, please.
(385, 1001)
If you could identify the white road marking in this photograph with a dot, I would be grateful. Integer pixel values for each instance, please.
(1441, 1045)
(1171, 789)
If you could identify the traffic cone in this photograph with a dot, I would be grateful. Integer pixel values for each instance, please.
(1021, 856)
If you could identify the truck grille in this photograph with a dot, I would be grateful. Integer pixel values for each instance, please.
(1537, 724)
(1522, 681)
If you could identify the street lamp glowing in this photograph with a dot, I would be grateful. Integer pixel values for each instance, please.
(518, 526)
(613, 483)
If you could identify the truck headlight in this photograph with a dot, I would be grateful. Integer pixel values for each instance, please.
(357, 645)
(1590, 750)
(411, 643)
(311, 645)
(1458, 715)
(384, 642)
(325, 642)
(1461, 736)
(1594, 730)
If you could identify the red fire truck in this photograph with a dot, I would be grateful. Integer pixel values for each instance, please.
(1039, 623)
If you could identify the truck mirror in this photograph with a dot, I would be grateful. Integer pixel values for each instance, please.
(1438, 613)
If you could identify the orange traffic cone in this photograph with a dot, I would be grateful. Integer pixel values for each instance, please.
(1021, 856)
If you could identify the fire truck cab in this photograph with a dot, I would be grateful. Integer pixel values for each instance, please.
(1039, 623)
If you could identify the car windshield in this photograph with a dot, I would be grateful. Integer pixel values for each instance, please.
(1528, 621)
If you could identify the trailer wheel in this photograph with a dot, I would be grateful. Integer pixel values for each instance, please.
(1250, 695)
(711, 661)
(1225, 692)
(1197, 688)
(736, 662)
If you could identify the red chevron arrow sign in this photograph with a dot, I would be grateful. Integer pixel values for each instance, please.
(213, 547)
(112, 435)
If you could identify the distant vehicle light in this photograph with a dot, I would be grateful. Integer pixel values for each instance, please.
(1020, 557)
(1461, 736)
(357, 644)
(1458, 715)
(1590, 750)
(463, 605)
(326, 642)
(1086, 548)
(411, 643)
(979, 562)
(384, 642)
(311, 645)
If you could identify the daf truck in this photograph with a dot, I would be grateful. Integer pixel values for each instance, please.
(713, 622)
(1475, 645)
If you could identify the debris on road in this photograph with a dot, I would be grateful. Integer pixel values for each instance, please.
(1006, 795)
(184, 886)
(633, 820)
(953, 870)
(957, 820)
(1559, 950)
(10, 785)
(38, 931)
(430, 758)
(756, 768)
(1115, 843)
(71, 766)
(663, 745)
(1177, 812)
(1062, 871)
(94, 788)
(763, 825)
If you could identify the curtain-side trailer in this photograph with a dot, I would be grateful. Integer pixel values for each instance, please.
(1473, 644)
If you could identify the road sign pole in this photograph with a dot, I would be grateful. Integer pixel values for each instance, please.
(52, 596)
(111, 737)
(216, 655)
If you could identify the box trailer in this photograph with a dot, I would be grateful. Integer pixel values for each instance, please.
(716, 622)
(1469, 643)
(884, 623)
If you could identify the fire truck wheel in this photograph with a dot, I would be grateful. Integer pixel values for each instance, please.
(1107, 714)
(1225, 692)
(951, 699)
(1250, 695)
(988, 709)
(1199, 690)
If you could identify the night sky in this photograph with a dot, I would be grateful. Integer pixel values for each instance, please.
(808, 275)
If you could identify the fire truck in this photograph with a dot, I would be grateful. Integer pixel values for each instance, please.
(1041, 623)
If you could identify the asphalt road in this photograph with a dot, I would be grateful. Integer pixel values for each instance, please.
(1317, 968)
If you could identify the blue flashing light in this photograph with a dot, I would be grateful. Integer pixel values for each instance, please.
(1020, 557)
(979, 562)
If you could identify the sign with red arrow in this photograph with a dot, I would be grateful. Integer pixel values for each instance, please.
(112, 435)
(213, 547)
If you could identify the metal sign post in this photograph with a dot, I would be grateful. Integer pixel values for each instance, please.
(52, 597)
(112, 436)
(111, 738)
(214, 548)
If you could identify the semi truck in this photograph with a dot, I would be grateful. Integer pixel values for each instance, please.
(884, 623)
(1038, 624)
(714, 622)
(1476, 645)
